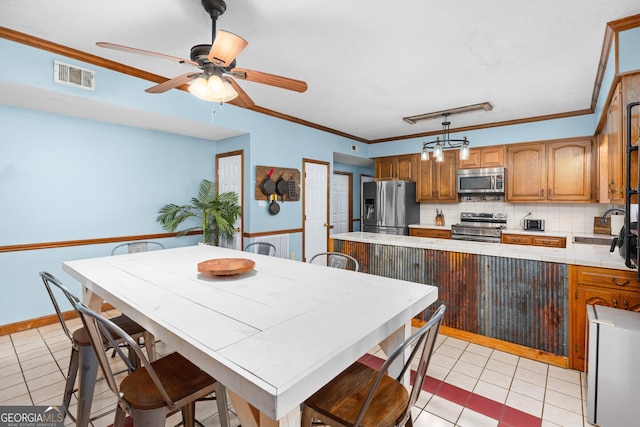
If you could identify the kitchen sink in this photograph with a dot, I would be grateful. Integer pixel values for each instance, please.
(605, 241)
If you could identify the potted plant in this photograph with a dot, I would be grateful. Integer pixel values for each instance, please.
(217, 214)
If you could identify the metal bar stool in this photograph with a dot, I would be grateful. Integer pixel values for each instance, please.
(262, 248)
(337, 260)
(156, 389)
(83, 359)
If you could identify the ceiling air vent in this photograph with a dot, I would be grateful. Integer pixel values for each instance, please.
(74, 76)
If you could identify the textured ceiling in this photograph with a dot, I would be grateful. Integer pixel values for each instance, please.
(367, 63)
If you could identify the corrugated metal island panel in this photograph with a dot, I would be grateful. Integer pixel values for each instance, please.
(519, 301)
(525, 302)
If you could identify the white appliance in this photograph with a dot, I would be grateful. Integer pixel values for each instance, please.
(613, 365)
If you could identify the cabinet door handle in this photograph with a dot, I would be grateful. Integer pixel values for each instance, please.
(615, 282)
(549, 193)
(626, 304)
(615, 303)
(542, 192)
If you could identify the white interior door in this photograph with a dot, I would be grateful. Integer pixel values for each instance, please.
(316, 215)
(230, 179)
(340, 207)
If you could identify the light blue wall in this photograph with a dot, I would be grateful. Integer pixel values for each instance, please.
(64, 178)
(629, 50)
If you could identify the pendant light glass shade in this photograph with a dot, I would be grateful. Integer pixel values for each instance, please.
(437, 152)
(464, 151)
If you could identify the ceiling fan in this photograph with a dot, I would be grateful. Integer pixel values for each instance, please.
(217, 64)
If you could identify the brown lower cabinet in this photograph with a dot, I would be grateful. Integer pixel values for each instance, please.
(531, 240)
(597, 286)
(435, 233)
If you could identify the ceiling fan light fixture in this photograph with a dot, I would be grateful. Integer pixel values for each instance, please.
(213, 88)
(199, 88)
(215, 85)
(229, 93)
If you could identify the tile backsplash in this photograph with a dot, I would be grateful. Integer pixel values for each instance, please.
(575, 218)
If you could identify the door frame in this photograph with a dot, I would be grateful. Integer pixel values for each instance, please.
(242, 202)
(304, 196)
(350, 175)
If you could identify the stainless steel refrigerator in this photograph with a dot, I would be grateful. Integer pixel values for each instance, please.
(389, 207)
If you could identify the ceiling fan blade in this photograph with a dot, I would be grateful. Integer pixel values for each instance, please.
(172, 83)
(243, 100)
(269, 79)
(225, 48)
(145, 52)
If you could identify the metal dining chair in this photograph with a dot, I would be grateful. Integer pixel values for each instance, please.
(262, 248)
(337, 260)
(83, 359)
(363, 397)
(150, 393)
(139, 246)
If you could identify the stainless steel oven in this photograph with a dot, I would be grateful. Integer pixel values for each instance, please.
(479, 227)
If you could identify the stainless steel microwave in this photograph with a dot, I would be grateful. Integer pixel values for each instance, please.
(480, 181)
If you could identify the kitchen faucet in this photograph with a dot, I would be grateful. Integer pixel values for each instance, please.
(603, 220)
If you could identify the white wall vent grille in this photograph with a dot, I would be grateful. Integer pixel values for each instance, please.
(280, 241)
(74, 76)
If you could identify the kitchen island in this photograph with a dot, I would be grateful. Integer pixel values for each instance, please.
(517, 295)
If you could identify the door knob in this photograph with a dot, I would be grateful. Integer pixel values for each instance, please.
(326, 225)
(238, 229)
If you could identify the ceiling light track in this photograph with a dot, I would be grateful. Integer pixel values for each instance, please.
(481, 106)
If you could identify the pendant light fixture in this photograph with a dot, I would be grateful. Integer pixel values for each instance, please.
(446, 143)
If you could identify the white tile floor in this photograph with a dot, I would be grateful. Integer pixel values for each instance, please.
(500, 387)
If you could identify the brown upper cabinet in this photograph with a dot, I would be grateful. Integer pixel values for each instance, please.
(613, 139)
(484, 157)
(437, 180)
(404, 167)
(558, 171)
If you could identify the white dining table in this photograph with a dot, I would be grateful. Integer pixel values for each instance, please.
(273, 335)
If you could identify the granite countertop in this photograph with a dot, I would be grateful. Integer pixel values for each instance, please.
(575, 253)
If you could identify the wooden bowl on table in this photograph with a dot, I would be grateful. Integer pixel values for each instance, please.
(226, 266)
